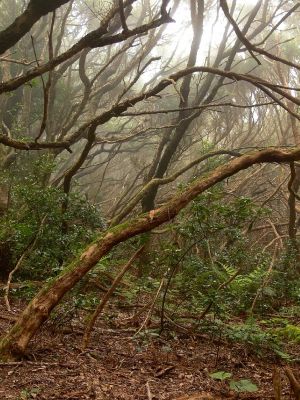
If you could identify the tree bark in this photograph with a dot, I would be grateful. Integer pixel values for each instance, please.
(15, 342)
(22, 24)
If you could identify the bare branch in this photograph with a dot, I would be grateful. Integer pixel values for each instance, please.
(47, 86)
(251, 47)
(122, 16)
(100, 307)
(155, 182)
(120, 108)
(34, 11)
(94, 39)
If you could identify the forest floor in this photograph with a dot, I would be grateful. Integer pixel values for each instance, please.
(119, 365)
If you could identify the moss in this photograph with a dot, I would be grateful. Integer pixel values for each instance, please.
(7, 343)
(117, 228)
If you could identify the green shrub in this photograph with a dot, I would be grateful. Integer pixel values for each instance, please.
(35, 218)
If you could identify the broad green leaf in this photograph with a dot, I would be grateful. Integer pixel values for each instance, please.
(220, 375)
(243, 385)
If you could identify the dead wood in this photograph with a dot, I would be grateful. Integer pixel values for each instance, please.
(294, 383)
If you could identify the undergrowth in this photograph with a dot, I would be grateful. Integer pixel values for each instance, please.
(207, 273)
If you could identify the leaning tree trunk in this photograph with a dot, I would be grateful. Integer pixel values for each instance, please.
(15, 342)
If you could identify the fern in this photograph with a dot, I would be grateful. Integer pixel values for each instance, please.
(289, 332)
(229, 269)
(254, 278)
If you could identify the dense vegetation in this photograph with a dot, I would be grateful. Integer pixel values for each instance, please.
(149, 159)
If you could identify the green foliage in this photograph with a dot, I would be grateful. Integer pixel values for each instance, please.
(220, 375)
(254, 337)
(286, 278)
(27, 394)
(242, 385)
(207, 255)
(290, 333)
(215, 270)
(216, 247)
(35, 217)
(86, 301)
(26, 291)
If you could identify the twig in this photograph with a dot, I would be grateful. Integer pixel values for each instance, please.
(171, 274)
(276, 233)
(251, 47)
(20, 62)
(152, 307)
(149, 394)
(163, 371)
(292, 208)
(175, 87)
(95, 315)
(240, 35)
(200, 107)
(265, 280)
(138, 313)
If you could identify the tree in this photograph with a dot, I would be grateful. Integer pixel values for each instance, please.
(121, 30)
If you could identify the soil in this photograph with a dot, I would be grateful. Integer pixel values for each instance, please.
(119, 365)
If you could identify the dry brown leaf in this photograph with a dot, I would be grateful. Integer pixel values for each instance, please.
(198, 396)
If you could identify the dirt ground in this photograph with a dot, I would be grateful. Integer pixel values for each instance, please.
(119, 365)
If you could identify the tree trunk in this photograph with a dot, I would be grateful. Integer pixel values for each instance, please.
(15, 342)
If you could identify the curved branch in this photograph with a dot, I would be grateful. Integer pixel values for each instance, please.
(155, 182)
(15, 342)
(251, 47)
(105, 298)
(94, 39)
(22, 24)
(20, 145)
(120, 108)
